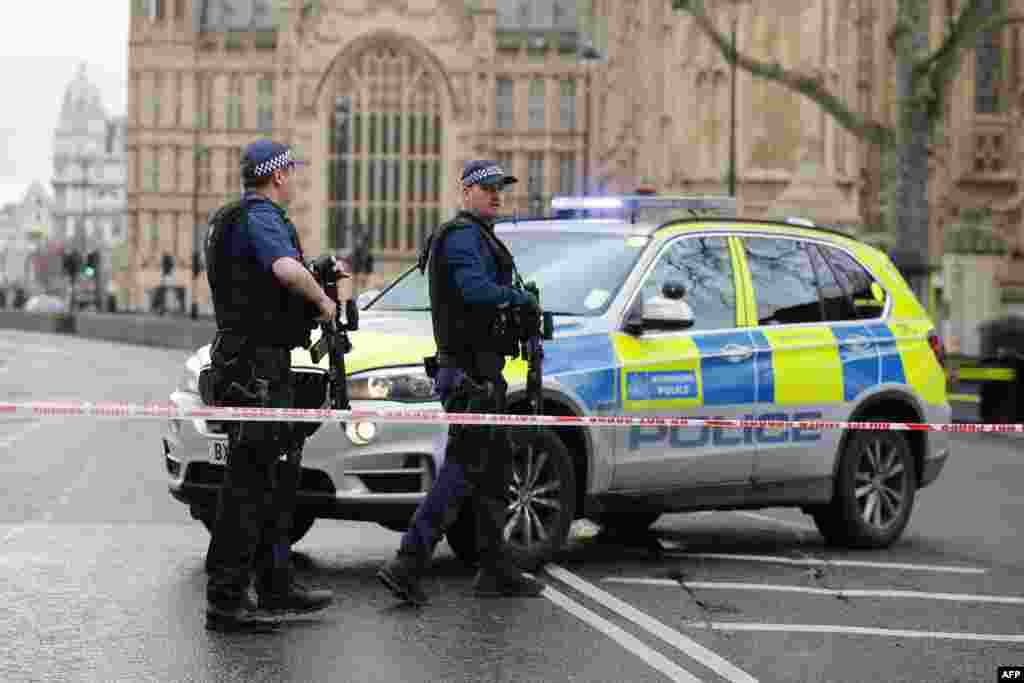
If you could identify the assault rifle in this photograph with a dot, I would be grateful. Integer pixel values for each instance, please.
(532, 329)
(334, 341)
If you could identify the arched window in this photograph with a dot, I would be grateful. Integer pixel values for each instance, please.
(385, 164)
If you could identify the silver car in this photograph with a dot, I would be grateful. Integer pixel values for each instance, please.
(697, 317)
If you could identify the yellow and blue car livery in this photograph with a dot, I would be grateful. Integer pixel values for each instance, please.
(882, 369)
(881, 366)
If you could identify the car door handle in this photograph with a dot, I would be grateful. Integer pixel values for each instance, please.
(857, 344)
(735, 353)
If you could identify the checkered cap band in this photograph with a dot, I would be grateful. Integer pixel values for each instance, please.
(267, 167)
(482, 173)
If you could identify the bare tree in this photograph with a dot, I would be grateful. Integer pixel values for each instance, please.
(923, 78)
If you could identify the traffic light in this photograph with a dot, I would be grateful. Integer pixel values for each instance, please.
(166, 264)
(92, 264)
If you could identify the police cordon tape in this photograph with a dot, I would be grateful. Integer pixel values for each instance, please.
(155, 411)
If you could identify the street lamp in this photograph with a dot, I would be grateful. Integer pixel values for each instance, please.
(588, 55)
(198, 151)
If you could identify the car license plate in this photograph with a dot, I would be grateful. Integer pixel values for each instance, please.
(219, 452)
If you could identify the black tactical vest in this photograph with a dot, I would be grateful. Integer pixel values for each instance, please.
(247, 300)
(460, 327)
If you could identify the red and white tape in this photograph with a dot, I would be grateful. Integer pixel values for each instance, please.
(152, 411)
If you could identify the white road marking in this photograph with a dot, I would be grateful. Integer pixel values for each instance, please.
(835, 592)
(686, 645)
(861, 630)
(815, 562)
(652, 657)
(796, 526)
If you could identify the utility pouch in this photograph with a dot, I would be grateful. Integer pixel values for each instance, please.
(431, 366)
(209, 378)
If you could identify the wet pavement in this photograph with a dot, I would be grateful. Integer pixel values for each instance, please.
(101, 574)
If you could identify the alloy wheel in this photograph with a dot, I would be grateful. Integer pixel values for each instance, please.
(880, 484)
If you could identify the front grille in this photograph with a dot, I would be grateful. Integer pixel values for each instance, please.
(207, 473)
(415, 476)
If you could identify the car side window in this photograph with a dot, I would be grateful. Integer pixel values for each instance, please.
(703, 266)
(784, 283)
(835, 297)
(857, 281)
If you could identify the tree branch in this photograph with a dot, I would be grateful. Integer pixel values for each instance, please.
(804, 84)
(941, 67)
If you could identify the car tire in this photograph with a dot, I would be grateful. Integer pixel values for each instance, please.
(874, 492)
(622, 523)
(301, 524)
(541, 507)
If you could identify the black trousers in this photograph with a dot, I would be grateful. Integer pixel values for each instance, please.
(256, 502)
(477, 469)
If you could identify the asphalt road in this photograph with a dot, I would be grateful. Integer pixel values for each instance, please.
(101, 574)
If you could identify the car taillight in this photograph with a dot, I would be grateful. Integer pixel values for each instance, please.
(938, 348)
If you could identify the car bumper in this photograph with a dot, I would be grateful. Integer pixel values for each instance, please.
(376, 472)
(938, 444)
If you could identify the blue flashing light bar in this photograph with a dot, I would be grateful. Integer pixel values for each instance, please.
(636, 202)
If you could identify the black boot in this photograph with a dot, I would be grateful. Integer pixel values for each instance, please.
(505, 582)
(238, 615)
(402, 577)
(280, 594)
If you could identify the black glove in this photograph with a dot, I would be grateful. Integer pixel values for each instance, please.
(527, 299)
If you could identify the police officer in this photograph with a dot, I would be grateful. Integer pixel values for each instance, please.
(471, 274)
(266, 303)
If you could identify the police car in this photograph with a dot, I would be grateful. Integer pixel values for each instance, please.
(702, 315)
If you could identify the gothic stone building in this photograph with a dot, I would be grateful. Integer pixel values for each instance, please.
(387, 98)
(89, 176)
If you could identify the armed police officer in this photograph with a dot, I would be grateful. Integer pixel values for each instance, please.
(266, 302)
(471, 275)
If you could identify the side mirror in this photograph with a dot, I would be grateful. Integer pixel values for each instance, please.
(635, 319)
(667, 314)
(673, 289)
(366, 297)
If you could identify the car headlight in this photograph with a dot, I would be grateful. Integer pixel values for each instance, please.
(188, 381)
(401, 384)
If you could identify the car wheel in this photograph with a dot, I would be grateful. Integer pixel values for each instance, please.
(627, 522)
(542, 497)
(541, 503)
(301, 525)
(874, 492)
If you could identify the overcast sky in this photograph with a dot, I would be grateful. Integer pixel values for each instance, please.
(42, 43)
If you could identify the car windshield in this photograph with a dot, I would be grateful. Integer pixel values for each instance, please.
(578, 273)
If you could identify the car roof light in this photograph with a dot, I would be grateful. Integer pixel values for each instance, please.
(796, 220)
(642, 201)
(660, 208)
(570, 203)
